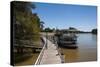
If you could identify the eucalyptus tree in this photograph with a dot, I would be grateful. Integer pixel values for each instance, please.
(41, 25)
(26, 24)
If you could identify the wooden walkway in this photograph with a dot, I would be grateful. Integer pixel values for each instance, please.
(50, 55)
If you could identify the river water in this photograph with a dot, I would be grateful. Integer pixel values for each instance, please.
(86, 51)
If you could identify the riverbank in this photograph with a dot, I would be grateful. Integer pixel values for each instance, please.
(29, 61)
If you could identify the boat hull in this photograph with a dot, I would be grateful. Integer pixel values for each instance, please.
(68, 46)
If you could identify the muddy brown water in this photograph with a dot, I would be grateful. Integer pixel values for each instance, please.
(86, 51)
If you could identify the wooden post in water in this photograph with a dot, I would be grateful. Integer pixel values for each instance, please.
(46, 40)
(62, 58)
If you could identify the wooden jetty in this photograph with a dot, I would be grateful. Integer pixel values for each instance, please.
(49, 55)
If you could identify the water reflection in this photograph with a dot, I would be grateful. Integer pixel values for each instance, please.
(70, 55)
(87, 49)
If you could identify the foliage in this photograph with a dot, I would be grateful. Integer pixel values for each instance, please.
(41, 25)
(48, 29)
(94, 31)
(72, 28)
(23, 6)
(26, 25)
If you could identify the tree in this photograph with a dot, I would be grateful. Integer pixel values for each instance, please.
(26, 24)
(41, 25)
(94, 31)
(23, 6)
(72, 28)
(48, 29)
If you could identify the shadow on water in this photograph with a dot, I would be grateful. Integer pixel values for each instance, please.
(71, 55)
(86, 51)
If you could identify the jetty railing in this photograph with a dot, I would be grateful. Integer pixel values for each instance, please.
(60, 53)
(38, 61)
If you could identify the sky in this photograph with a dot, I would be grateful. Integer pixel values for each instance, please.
(63, 16)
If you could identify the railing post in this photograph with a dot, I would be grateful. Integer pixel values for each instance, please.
(46, 40)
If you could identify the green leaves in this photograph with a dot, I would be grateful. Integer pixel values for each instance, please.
(23, 6)
(27, 25)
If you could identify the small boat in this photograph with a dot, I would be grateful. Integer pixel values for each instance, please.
(68, 41)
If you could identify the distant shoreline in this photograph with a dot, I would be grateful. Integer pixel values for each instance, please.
(52, 33)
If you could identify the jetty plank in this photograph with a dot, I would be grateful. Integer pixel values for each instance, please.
(50, 54)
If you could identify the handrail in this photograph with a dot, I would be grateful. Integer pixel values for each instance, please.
(62, 56)
(40, 55)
